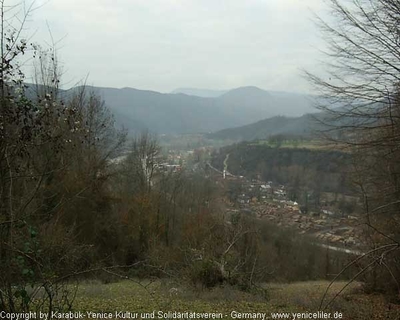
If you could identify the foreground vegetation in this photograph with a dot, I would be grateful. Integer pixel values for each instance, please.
(147, 296)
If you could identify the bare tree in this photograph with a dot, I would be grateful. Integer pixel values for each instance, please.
(142, 161)
(53, 158)
(362, 67)
(362, 112)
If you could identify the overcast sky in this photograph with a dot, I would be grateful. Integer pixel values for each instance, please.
(165, 44)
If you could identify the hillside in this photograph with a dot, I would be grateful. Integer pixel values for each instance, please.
(298, 168)
(306, 126)
(282, 301)
(301, 126)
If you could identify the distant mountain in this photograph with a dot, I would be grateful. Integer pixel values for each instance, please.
(161, 113)
(178, 113)
(259, 104)
(204, 93)
(182, 113)
(255, 103)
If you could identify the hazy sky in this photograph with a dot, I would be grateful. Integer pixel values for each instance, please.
(165, 44)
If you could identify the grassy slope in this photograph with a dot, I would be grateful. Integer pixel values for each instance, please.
(296, 297)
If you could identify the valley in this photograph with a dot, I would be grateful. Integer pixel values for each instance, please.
(266, 200)
(329, 216)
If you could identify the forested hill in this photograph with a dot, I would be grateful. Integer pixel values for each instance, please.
(303, 126)
(314, 169)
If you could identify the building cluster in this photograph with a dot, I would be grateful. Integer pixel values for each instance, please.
(267, 200)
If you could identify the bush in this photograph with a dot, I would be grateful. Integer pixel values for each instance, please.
(206, 273)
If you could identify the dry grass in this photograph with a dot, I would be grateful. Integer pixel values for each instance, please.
(295, 297)
(308, 294)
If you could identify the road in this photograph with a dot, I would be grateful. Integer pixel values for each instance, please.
(340, 249)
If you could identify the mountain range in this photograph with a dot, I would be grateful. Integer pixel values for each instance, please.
(237, 113)
(179, 113)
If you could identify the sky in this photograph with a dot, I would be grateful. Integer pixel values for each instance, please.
(162, 45)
